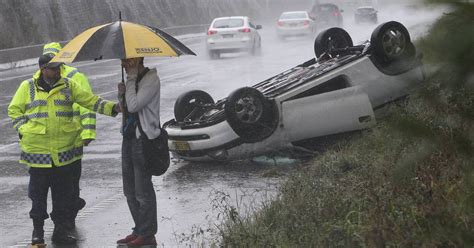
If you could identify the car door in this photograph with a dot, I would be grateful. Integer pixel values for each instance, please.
(328, 113)
(254, 32)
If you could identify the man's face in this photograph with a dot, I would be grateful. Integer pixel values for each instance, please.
(51, 75)
(130, 64)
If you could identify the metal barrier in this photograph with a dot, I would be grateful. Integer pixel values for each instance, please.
(13, 55)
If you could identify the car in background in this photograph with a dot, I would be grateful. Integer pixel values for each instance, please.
(233, 34)
(326, 15)
(295, 23)
(335, 93)
(366, 14)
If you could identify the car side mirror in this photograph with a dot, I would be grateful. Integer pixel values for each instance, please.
(342, 10)
(258, 26)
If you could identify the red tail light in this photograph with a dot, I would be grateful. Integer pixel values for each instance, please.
(211, 32)
(306, 23)
(280, 23)
(244, 30)
(336, 13)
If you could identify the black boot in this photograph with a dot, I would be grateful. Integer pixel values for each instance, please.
(62, 236)
(38, 233)
(38, 237)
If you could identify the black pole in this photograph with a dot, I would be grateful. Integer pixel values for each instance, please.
(120, 19)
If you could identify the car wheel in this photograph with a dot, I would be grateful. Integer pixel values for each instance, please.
(329, 40)
(213, 54)
(250, 114)
(188, 102)
(257, 48)
(391, 42)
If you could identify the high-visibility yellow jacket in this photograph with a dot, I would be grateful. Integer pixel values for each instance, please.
(86, 118)
(45, 121)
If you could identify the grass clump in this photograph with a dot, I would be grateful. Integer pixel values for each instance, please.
(409, 182)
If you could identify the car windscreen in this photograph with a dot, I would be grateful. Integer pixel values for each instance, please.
(364, 11)
(294, 15)
(327, 8)
(228, 23)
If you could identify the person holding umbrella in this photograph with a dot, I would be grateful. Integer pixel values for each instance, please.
(140, 99)
(51, 144)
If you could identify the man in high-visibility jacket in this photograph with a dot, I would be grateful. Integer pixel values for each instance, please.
(83, 116)
(42, 112)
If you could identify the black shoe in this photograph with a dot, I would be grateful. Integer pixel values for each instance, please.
(69, 225)
(63, 237)
(80, 204)
(37, 237)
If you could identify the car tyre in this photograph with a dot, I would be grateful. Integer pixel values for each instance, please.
(250, 114)
(214, 54)
(329, 40)
(187, 102)
(391, 42)
(257, 48)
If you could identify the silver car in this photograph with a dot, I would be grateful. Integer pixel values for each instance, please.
(233, 34)
(295, 23)
(336, 92)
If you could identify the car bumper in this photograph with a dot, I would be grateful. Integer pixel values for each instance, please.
(294, 31)
(229, 44)
(201, 139)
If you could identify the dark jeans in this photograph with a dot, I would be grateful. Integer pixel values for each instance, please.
(138, 188)
(60, 180)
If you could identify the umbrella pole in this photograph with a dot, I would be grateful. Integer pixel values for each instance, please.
(123, 81)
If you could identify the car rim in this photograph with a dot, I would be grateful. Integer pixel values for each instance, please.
(393, 43)
(248, 109)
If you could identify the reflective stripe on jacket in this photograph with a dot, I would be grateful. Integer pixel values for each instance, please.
(86, 118)
(46, 123)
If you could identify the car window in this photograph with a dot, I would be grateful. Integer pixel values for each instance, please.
(327, 8)
(364, 10)
(252, 26)
(293, 15)
(228, 23)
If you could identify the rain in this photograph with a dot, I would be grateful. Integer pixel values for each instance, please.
(191, 195)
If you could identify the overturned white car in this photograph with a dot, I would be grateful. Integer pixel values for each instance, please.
(334, 93)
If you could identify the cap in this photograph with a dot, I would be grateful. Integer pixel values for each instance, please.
(44, 59)
(52, 47)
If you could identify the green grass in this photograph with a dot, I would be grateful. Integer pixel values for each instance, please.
(409, 182)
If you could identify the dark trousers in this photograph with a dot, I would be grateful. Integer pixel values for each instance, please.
(60, 180)
(138, 188)
(76, 174)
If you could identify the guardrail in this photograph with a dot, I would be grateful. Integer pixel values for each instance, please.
(13, 55)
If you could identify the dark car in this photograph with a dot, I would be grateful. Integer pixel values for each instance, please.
(365, 14)
(326, 15)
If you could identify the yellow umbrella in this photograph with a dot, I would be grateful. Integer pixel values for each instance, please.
(121, 40)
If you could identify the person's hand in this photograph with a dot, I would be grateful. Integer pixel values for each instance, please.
(121, 88)
(118, 108)
(86, 142)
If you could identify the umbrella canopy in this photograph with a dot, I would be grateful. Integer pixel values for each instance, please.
(121, 40)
